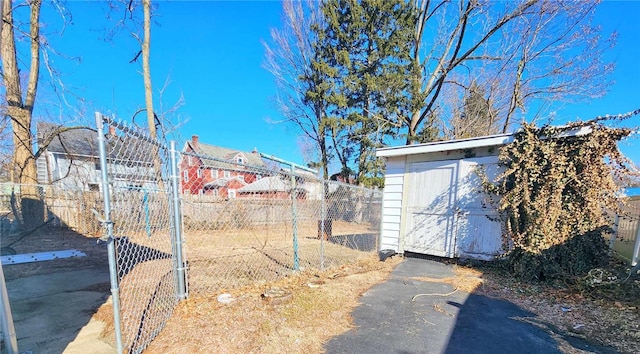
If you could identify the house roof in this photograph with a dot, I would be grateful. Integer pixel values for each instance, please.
(224, 158)
(72, 141)
(83, 141)
(266, 184)
(223, 182)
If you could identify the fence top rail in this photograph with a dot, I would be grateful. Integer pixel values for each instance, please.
(255, 168)
(134, 131)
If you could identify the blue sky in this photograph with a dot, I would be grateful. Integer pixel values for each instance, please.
(212, 53)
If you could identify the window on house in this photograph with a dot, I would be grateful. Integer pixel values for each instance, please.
(199, 173)
(94, 187)
(215, 192)
(189, 160)
(241, 177)
(258, 176)
(214, 173)
(201, 191)
(227, 174)
(186, 176)
(232, 193)
(240, 160)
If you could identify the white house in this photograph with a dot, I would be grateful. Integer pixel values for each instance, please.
(71, 160)
(433, 203)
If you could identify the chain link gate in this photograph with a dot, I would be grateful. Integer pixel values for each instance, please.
(141, 218)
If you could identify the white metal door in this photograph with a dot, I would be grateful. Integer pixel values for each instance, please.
(477, 227)
(430, 214)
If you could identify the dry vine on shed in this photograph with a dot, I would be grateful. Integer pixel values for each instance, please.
(554, 196)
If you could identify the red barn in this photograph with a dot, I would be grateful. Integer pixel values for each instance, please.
(218, 171)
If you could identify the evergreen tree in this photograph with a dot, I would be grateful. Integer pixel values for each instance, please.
(477, 117)
(366, 46)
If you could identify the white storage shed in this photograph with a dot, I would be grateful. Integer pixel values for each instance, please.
(433, 201)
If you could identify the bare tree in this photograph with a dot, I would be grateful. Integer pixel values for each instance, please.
(20, 103)
(300, 85)
(130, 21)
(148, 87)
(519, 52)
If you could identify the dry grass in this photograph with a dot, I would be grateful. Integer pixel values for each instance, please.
(319, 309)
(321, 304)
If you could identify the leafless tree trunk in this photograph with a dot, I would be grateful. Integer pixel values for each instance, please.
(20, 110)
(148, 89)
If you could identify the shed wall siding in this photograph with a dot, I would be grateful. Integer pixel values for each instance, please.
(392, 203)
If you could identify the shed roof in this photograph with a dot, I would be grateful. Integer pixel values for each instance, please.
(462, 144)
(440, 146)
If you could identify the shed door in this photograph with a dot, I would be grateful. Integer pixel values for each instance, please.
(477, 227)
(430, 208)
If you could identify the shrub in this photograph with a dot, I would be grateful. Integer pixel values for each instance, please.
(572, 259)
(554, 195)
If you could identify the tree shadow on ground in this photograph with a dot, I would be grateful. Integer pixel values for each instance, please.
(367, 242)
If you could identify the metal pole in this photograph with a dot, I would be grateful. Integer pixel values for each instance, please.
(323, 217)
(636, 248)
(293, 166)
(296, 261)
(147, 221)
(9, 332)
(285, 162)
(111, 249)
(180, 269)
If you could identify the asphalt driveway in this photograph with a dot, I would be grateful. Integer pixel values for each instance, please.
(388, 321)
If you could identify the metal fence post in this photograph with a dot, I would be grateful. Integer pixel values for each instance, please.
(8, 331)
(296, 260)
(111, 249)
(323, 217)
(175, 192)
(636, 247)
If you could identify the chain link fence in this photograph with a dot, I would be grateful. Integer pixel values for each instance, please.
(625, 241)
(45, 231)
(245, 218)
(246, 223)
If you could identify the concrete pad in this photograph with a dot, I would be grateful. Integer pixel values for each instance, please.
(49, 310)
(388, 321)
